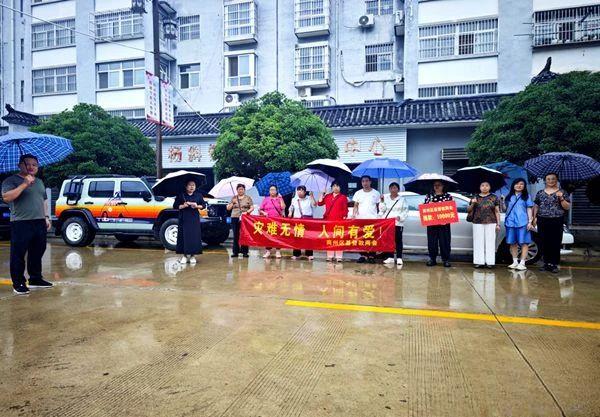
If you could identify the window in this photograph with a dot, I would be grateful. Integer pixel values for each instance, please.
(413, 201)
(312, 63)
(54, 80)
(312, 13)
(60, 33)
(189, 76)
(119, 24)
(578, 24)
(101, 189)
(457, 39)
(189, 27)
(379, 100)
(380, 6)
(458, 90)
(128, 113)
(379, 57)
(22, 49)
(239, 19)
(121, 74)
(165, 71)
(22, 91)
(133, 189)
(240, 70)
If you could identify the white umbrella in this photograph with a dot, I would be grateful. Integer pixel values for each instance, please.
(314, 180)
(331, 167)
(227, 186)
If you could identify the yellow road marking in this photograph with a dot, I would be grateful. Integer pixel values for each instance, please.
(446, 314)
(4, 281)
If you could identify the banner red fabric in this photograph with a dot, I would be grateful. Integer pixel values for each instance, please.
(376, 235)
(435, 214)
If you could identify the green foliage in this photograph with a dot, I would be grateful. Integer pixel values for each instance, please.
(562, 115)
(103, 144)
(271, 134)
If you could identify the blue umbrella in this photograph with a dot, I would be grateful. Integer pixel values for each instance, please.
(280, 179)
(511, 172)
(567, 165)
(48, 149)
(385, 168)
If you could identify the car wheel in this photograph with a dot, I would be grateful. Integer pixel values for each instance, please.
(126, 238)
(168, 234)
(215, 237)
(76, 232)
(535, 253)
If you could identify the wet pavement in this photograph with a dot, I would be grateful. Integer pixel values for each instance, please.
(127, 331)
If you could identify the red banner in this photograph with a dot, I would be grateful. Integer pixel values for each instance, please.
(376, 235)
(435, 214)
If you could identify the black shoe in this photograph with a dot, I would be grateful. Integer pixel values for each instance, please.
(361, 260)
(39, 283)
(479, 266)
(371, 260)
(21, 289)
(489, 266)
(245, 255)
(553, 268)
(235, 255)
(545, 268)
(447, 264)
(431, 263)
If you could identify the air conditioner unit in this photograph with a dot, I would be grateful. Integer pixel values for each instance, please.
(399, 84)
(232, 100)
(304, 92)
(366, 21)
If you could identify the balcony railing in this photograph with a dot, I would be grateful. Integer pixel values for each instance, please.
(562, 26)
(311, 17)
(239, 22)
(117, 24)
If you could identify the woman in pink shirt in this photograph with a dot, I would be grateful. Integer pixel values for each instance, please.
(272, 206)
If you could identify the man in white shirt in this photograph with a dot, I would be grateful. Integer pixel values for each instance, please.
(366, 203)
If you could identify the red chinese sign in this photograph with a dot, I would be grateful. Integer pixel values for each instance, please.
(435, 214)
(376, 235)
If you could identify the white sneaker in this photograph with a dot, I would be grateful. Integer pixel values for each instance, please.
(310, 258)
(294, 258)
(521, 266)
(389, 261)
(513, 265)
(399, 261)
(193, 260)
(278, 254)
(183, 260)
(267, 254)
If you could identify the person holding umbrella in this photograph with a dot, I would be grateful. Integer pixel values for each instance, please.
(336, 208)
(302, 208)
(272, 206)
(438, 236)
(30, 222)
(551, 205)
(484, 210)
(239, 204)
(189, 233)
(394, 206)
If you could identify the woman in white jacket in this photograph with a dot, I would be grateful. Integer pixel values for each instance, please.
(394, 206)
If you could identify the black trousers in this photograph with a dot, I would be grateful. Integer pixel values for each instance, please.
(398, 232)
(298, 252)
(550, 231)
(27, 237)
(439, 236)
(236, 226)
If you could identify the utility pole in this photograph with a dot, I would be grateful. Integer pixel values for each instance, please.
(156, 52)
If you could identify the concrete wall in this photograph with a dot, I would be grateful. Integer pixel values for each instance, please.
(424, 146)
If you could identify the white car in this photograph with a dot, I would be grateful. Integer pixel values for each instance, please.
(415, 235)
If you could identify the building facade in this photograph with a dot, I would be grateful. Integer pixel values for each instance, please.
(447, 59)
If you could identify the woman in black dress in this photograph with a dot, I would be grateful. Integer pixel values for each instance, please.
(438, 236)
(189, 234)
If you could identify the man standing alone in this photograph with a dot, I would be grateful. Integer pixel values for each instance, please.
(29, 220)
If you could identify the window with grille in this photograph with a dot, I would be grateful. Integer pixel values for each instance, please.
(240, 70)
(458, 39)
(128, 113)
(555, 27)
(239, 19)
(58, 34)
(311, 13)
(189, 27)
(189, 76)
(312, 63)
(315, 103)
(379, 100)
(118, 24)
(458, 90)
(54, 80)
(121, 74)
(380, 7)
(379, 57)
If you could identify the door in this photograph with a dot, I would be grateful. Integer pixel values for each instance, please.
(102, 201)
(138, 213)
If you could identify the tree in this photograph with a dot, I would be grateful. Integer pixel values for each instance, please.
(561, 115)
(271, 134)
(103, 144)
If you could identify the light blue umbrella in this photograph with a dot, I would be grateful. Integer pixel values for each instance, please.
(48, 149)
(511, 172)
(385, 168)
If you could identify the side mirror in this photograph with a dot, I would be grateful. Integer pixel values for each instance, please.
(159, 198)
(147, 196)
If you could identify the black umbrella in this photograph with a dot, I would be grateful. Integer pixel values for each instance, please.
(470, 178)
(175, 182)
(423, 184)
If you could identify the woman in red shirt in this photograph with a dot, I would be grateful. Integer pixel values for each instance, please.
(336, 208)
